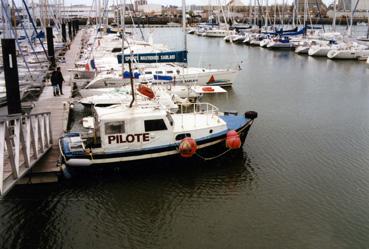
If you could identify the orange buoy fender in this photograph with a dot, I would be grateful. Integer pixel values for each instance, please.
(87, 67)
(233, 140)
(187, 147)
(144, 90)
(208, 89)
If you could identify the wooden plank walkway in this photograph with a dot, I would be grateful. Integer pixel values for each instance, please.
(59, 108)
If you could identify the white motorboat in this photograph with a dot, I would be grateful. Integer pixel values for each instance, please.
(122, 134)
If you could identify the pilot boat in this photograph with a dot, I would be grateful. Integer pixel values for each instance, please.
(120, 134)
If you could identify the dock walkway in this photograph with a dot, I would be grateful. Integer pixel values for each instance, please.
(59, 108)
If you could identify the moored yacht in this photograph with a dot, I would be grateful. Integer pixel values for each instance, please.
(353, 52)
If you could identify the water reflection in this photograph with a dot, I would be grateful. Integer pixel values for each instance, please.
(140, 203)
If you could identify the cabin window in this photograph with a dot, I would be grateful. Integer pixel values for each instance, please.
(155, 125)
(159, 72)
(148, 72)
(116, 50)
(114, 127)
(169, 72)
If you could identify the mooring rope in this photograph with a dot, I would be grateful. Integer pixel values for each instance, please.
(211, 158)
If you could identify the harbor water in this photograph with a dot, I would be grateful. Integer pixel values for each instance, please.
(302, 180)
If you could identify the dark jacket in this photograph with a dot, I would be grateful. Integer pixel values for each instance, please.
(56, 78)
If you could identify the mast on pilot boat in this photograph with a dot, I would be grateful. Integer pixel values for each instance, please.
(184, 24)
(122, 20)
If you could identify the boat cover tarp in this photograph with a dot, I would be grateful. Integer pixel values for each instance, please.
(162, 77)
(283, 32)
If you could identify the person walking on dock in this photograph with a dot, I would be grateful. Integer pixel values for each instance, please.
(57, 81)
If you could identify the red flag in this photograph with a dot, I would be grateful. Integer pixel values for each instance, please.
(212, 79)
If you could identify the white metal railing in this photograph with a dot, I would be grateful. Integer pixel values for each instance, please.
(203, 108)
(23, 141)
(199, 108)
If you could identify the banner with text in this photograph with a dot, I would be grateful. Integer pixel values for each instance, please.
(162, 57)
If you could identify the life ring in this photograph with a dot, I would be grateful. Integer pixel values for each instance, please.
(146, 91)
(208, 89)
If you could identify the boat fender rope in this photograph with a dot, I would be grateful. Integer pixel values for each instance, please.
(212, 158)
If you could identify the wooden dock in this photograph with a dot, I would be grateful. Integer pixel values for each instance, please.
(47, 169)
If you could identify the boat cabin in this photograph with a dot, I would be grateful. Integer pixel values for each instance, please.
(120, 127)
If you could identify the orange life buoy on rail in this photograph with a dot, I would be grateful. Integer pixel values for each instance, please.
(144, 90)
(208, 89)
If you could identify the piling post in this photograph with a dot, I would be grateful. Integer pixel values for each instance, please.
(74, 28)
(11, 76)
(77, 25)
(70, 31)
(50, 45)
(64, 33)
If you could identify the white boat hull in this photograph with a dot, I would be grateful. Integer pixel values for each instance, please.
(319, 51)
(278, 45)
(302, 50)
(347, 54)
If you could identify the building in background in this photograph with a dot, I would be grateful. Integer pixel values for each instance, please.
(363, 5)
(345, 7)
(150, 9)
(139, 3)
(349, 5)
(315, 7)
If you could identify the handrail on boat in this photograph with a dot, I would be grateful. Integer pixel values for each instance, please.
(202, 108)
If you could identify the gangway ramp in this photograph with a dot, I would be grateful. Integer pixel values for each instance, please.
(24, 139)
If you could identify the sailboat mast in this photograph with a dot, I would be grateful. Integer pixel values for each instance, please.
(305, 12)
(353, 9)
(294, 14)
(266, 14)
(7, 23)
(123, 32)
(250, 12)
(184, 24)
(334, 16)
(275, 14)
(367, 32)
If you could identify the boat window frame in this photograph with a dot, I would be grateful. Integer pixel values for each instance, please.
(155, 127)
(123, 124)
(116, 50)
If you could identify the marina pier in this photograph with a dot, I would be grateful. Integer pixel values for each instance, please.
(32, 152)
